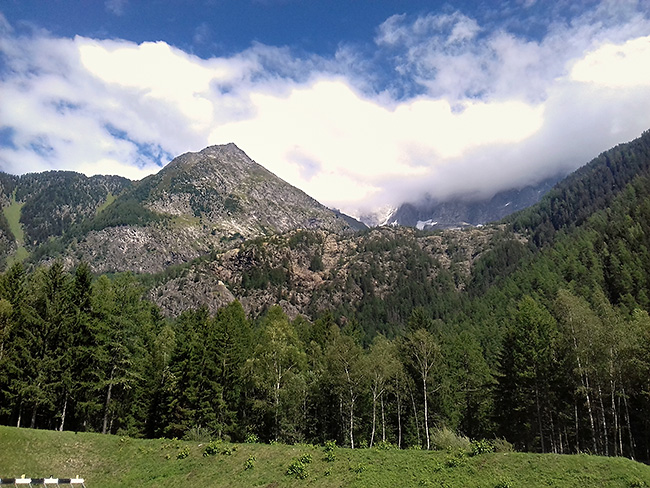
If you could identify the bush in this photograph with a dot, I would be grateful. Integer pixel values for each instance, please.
(298, 469)
(198, 434)
(212, 448)
(445, 438)
(250, 463)
(183, 453)
(385, 446)
(330, 455)
(252, 439)
(305, 458)
(227, 451)
(481, 446)
(458, 459)
(502, 445)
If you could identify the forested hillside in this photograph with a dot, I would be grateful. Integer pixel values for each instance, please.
(536, 331)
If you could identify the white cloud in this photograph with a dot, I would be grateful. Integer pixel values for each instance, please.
(493, 110)
(621, 66)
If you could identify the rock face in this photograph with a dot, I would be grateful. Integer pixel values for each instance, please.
(309, 272)
(199, 203)
(223, 188)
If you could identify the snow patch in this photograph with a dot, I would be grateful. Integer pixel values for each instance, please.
(424, 223)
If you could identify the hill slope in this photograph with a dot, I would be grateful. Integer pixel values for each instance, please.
(113, 461)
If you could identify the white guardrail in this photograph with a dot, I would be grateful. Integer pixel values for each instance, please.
(22, 481)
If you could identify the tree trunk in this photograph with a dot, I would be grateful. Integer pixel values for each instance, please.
(276, 402)
(584, 379)
(352, 423)
(629, 426)
(352, 399)
(108, 401)
(20, 413)
(415, 415)
(539, 419)
(33, 423)
(603, 421)
(618, 448)
(575, 408)
(592, 422)
(65, 407)
(383, 419)
(426, 410)
(374, 419)
(399, 421)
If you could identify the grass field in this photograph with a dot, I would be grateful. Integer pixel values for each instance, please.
(110, 198)
(113, 461)
(12, 214)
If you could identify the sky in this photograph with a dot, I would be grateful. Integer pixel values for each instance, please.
(362, 104)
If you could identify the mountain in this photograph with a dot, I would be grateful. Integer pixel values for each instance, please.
(43, 206)
(198, 203)
(433, 214)
(535, 329)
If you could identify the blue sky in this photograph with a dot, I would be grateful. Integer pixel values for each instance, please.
(363, 104)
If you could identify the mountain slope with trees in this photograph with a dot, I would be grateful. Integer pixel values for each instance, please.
(515, 331)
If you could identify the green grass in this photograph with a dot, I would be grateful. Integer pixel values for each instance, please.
(113, 461)
(12, 214)
(110, 198)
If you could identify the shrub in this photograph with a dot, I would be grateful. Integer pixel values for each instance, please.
(212, 448)
(298, 469)
(445, 438)
(481, 446)
(305, 458)
(198, 434)
(250, 462)
(458, 458)
(502, 445)
(183, 453)
(252, 439)
(330, 446)
(227, 451)
(385, 446)
(330, 455)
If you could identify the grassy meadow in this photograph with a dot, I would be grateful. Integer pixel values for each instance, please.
(113, 461)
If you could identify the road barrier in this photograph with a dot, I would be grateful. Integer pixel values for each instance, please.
(22, 481)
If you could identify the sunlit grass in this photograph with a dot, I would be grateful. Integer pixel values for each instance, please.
(114, 461)
(12, 213)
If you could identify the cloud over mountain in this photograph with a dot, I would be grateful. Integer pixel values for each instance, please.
(443, 103)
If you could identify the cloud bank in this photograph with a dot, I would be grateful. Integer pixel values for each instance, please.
(444, 105)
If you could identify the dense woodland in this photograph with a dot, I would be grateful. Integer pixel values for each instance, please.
(545, 344)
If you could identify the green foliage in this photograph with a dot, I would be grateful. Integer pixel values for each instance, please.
(481, 446)
(305, 458)
(183, 453)
(212, 449)
(385, 446)
(198, 434)
(252, 439)
(502, 445)
(250, 462)
(298, 470)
